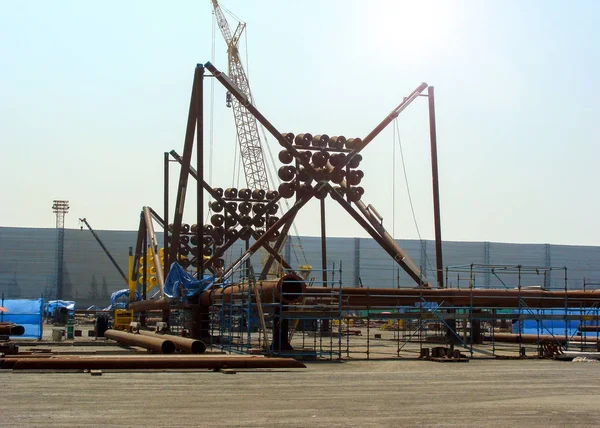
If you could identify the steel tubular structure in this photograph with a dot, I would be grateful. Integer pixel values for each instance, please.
(183, 344)
(11, 329)
(156, 344)
(385, 240)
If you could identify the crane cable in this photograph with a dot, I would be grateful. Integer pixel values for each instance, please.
(272, 166)
(412, 208)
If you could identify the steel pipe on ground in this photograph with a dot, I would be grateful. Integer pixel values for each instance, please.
(183, 344)
(155, 344)
(589, 328)
(288, 289)
(11, 329)
(156, 362)
(372, 297)
(542, 339)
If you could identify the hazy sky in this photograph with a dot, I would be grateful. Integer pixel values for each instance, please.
(93, 93)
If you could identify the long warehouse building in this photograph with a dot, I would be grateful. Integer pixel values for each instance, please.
(28, 263)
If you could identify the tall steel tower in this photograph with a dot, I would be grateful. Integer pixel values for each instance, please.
(60, 208)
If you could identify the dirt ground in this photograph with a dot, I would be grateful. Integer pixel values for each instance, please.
(350, 394)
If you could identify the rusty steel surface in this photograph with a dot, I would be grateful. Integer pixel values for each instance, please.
(148, 305)
(372, 297)
(288, 289)
(12, 329)
(186, 160)
(155, 344)
(156, 362)
(436, 188)
(183, 344)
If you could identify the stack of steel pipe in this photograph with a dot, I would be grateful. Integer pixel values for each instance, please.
(183, 344)
(482, 298)
(146, 362)
(156, 344)
(11, 329)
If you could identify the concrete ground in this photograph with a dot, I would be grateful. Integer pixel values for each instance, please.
(352, 394)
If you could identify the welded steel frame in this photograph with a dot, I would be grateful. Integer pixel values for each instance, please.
(383, 238)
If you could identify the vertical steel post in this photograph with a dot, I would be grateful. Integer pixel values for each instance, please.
(436, 188)
(145, 267)
(323, 244)
(185, 163)
(144, 271)
(166, 215)
(357, 262)
(200, 171)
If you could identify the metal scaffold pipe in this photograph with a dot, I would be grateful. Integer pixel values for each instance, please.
(542, 339)
(372, 297)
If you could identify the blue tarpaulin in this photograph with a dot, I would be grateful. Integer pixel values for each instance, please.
(552, 326)
(27, 313)
(181, 285)
(122, 296)
(120, 299)
(54, 304)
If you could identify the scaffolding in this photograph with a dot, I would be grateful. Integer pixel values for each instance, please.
(324, 325)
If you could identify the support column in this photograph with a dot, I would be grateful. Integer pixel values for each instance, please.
(288, 249)
(200, 174)
(323, 244)
(486, 261)
(548, 264)
(166, 214)
(144, 273)
(436, 189)
(357, 262)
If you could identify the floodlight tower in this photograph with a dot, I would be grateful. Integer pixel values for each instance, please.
(60, 208)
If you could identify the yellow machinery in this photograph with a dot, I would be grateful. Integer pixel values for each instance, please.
(122, 319)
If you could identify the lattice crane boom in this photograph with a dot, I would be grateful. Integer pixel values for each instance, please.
(248, 136)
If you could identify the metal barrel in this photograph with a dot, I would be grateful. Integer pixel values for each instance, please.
(155, 344)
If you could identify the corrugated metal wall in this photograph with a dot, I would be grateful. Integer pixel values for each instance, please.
(28, 261)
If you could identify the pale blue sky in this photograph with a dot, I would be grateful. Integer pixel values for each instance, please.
(92, 94)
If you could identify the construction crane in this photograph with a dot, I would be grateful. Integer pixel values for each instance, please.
(247, 129)
(122, 318)
(114, 262)
(248, 136)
